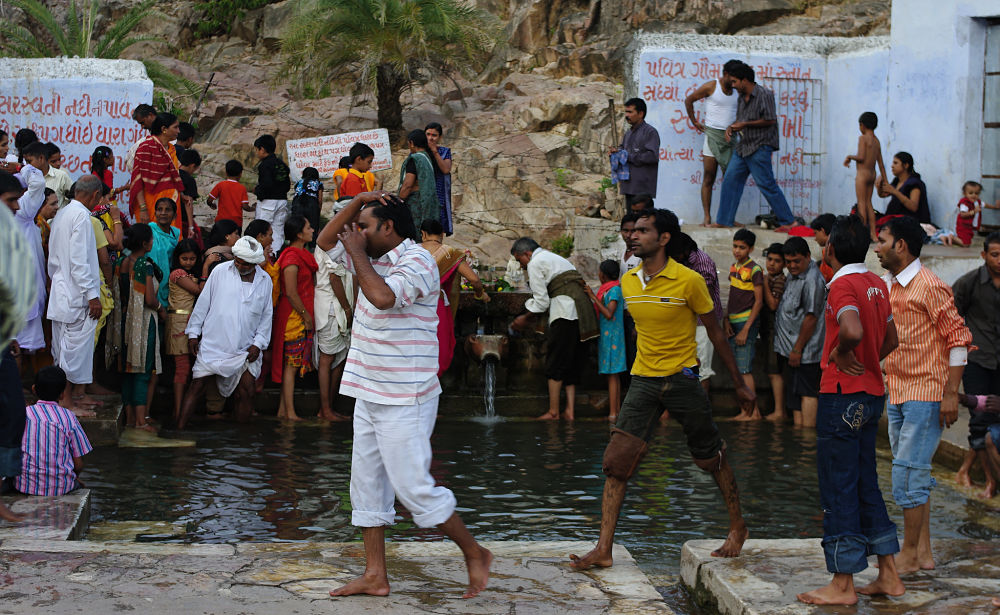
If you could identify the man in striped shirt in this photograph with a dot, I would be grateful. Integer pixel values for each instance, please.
(54, 443)
(392, 374)
(922, 376)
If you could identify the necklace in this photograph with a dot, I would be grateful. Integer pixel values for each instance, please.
(646, 278)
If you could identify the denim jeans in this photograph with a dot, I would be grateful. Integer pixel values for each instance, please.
(757, 164)
(855, 521)
(744, 354)
(914, 433)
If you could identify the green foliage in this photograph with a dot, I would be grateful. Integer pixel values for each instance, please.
(526, 197)
(605, 183)
(310, 91)
(562, 177)
(573, 142)
(563, 245)
(217, 16)
(384, 46)
(46, 37)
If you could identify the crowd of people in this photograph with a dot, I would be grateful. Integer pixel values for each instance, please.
(369, 298)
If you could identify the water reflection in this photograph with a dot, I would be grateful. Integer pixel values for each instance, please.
(515, 480)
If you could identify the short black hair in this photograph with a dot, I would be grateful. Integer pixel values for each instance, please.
(234, 168)
(971, 183)
(730, 66)
(796, 245)
(743, 71)
(189, 156)
(992, 238)
(775, 248)
(310, 173)
(185, 131)
(643, 199)
(9, 183)
(50, 383)
(869, 120)
(142, 110)
(629, 217)
(52, 149)
(294, 226)
(522, 245)
(611, 269)
(217, 234)
(35, 148)
(163, 121)
(638, 104)
(418, 138)
(664, 220)
(907, 229)
(362, 151)
(681, 246)
(434, 126)
(256, 228)
(746, 236)
(136, 235)
(849, 240)
(823, 222)
(266, 143)
(167, 200)
(432, 227)
(395, 210)
(183, 247)
(345, 163)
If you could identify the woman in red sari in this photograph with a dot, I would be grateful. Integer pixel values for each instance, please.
(154, 171)
(292, 333)
(451, 265)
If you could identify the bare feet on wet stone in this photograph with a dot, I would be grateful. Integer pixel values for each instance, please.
(883, 586)
(593, 559)
(906, 563)
(734, 542)
(479, 572)
(989, 491)
(548, 416)
(569, 415)
(85, 401)
(9, 515)
(371, 585)
(830, 594)
(333, 417)
(95, 389)
(962, 478)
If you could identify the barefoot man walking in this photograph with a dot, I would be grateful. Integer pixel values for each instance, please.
(666, 299)
(392, 373)
(860, 332)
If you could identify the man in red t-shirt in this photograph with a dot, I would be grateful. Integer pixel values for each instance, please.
(859, 333)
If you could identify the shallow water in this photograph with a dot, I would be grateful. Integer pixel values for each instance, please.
(514, 480)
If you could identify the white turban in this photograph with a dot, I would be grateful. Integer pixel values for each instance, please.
(249, 250)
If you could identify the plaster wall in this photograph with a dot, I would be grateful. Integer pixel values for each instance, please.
(935, 94)
(77, 104)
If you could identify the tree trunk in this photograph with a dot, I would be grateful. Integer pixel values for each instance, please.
(390, 87)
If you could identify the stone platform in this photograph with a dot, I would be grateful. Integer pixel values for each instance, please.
(65, 517)
(766, 578)
(527, 578)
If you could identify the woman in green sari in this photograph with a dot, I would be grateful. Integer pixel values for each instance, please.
(416, 180)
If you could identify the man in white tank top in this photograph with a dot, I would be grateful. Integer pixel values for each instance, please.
(720, 111)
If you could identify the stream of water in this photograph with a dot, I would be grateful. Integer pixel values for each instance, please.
(489, 388)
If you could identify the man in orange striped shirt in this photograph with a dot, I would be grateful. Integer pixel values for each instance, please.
(922, 376)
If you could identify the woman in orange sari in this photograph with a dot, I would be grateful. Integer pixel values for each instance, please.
(154, 171)
(451, 266)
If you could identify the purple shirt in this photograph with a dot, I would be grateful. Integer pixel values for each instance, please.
(52, 438)
(700, 262)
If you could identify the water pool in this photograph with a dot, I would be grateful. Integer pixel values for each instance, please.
(514, 480)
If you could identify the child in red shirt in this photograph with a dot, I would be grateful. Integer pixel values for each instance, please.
(969, 210)
(354, 184)
(230, 196)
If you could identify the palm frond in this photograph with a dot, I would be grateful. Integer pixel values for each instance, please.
(38, 12)
(164, 79)
(110, 43)
(17, 42)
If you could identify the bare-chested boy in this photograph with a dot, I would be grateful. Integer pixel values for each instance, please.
(869, 152)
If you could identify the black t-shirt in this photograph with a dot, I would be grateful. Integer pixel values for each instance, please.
(896, 207)
(273, 180)
(190, 186)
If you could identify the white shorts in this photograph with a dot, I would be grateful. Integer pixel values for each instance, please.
(705, 150)
(392, 459)
(706, 352)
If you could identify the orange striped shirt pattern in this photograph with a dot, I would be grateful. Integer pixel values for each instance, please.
(929, 326)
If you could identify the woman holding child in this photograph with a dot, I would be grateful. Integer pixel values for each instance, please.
(292, 334)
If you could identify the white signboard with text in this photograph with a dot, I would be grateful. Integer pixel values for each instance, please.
(77, 115)
(324, 153)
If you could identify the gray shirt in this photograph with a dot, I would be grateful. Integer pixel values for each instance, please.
(804, 294)
(642, 143)
(760, 106)
(978, 301)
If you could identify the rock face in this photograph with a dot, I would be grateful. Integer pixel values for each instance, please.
(529, 134)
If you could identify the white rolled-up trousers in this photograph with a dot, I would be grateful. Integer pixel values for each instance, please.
(392, 459)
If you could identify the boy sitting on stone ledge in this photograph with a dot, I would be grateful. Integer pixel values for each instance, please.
(54, 443)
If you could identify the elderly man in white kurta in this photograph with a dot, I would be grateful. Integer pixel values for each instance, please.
(229, 327)
(31, 337)
(392, 373)
(74, 304)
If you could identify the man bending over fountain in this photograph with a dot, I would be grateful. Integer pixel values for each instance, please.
(666, 300)
(392, 374)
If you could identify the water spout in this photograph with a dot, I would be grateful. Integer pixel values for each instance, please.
(488, 350)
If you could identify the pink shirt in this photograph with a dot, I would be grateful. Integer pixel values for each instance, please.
(52, 438)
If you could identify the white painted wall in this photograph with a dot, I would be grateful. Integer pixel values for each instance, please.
(77, 104)
(935, 93)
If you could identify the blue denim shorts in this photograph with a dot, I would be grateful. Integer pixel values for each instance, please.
(914, 434)
(744, 354)
(994, 431)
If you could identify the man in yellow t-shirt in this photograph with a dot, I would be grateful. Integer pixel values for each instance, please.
(667, 300)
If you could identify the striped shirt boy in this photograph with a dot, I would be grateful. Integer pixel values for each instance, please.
(743, 277)
(393, 358)
(52, 438)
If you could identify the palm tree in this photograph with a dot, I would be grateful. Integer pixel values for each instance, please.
(385, 44)
(46, 37)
